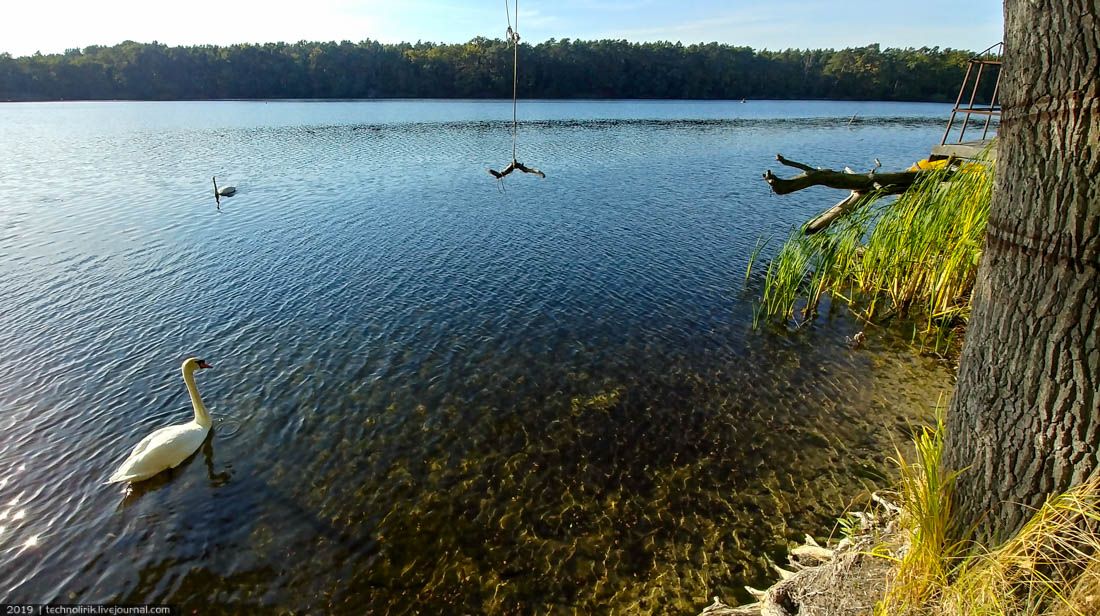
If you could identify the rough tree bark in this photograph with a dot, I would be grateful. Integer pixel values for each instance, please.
(1024, 419)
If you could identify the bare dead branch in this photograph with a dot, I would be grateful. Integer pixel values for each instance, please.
(889, 183)
(861, 182)
(791, 163)
(860, 185)
(826, 218)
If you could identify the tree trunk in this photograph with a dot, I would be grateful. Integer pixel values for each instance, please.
(1024, 421)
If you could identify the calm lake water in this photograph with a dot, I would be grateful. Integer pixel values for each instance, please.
(432, 393)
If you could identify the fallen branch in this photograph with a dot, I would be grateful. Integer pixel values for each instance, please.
(860, 185)
(890, 182)
(826, 218)
(721, 609)
(515, 165)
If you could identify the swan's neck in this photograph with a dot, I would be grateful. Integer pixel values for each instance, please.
(201, 416)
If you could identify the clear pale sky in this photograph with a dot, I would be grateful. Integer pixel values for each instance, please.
(51, 26)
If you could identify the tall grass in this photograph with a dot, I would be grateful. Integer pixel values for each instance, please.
(1050, 567)
(925, 492)
(914, 256)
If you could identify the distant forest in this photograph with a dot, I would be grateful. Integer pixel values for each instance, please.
(482, 68)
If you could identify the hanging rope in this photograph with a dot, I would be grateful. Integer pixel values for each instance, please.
(513, 35)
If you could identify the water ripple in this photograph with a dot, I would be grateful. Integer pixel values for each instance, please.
(431, 392)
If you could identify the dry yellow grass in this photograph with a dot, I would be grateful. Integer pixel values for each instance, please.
(1050, 567)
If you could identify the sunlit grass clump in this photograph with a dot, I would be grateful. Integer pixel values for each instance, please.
(1050, 567)
(915, 256)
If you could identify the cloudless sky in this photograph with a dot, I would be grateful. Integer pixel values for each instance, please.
(51, 26)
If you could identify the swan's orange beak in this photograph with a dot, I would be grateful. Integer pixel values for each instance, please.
(203, 364)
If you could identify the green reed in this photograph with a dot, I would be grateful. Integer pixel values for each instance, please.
(914, 256)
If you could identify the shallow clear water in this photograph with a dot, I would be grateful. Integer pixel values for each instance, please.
(430, 392)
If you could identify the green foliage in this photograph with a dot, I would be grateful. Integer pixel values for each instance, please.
(916, 256)
(481, 68)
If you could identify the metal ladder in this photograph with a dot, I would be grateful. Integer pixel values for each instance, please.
(990, 58)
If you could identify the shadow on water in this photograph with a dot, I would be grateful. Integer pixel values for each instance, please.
(204, 588)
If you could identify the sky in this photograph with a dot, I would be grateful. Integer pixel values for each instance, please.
(52, 26)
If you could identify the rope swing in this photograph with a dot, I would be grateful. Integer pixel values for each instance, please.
(513, 36)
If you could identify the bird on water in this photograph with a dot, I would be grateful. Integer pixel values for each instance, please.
(227, 191)
(169, 447)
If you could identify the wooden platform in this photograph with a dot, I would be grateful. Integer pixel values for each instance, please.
(966, 149)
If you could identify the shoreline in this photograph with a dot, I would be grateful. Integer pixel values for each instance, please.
(846, 578)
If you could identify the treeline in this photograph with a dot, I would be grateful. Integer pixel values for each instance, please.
(482, 68)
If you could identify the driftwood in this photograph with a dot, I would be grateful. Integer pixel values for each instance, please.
(826, 218)
(515, 165)
(860, 185)
(892, 182)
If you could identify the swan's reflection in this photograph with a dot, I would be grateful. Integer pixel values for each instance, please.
(217, 480)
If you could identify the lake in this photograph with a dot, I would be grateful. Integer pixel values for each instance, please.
(433, 392)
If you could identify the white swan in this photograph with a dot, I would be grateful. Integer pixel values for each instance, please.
(168, 447)
(226, 191)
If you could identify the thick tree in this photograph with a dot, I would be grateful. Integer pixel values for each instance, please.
(1025, 418)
